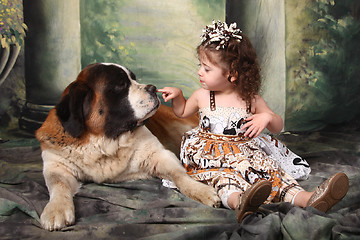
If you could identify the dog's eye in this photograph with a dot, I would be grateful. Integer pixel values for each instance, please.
(117, 88)
(101, 111)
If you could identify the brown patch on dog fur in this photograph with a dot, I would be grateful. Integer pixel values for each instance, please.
(169, 129)
(96, 121)
(52, 133)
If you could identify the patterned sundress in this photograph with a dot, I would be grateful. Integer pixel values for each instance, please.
(218, 154)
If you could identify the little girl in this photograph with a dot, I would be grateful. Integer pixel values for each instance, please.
(222, 150)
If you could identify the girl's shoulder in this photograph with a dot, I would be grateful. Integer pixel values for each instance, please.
(258, 103)
(201, 92)
(257, 99)
(202, 96)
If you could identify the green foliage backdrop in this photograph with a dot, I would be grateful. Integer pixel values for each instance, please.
(323, 59)
(155, 39)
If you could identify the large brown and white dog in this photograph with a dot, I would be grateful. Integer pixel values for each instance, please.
(96, 133)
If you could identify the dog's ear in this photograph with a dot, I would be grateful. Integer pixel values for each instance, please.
(74, 107)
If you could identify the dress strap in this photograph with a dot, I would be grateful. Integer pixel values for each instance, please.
(212, 101)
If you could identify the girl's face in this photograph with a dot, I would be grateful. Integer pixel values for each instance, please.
(212, 77)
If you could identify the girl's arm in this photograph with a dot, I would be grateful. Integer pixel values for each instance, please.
(263, 118)
(181, 107)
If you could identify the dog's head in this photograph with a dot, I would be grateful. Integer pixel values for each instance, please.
(106, 99)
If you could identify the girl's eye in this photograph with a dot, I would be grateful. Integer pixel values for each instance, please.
(206, 68)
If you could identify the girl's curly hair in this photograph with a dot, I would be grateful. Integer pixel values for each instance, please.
(239, 59)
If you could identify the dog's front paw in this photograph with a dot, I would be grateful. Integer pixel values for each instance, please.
(197, 191)
(58, 214)
(207, 195)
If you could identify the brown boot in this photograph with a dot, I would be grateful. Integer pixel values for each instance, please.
(252, 198)
(329, 192)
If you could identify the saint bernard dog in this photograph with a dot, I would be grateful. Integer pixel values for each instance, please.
(96, 133)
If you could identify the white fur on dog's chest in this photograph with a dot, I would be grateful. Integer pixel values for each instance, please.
(102, 159)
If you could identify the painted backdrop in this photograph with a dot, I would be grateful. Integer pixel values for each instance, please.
(323, 59)
(310, 56)
(308, 51)
(155, 39)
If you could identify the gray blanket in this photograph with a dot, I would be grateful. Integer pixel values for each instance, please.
(144, 209)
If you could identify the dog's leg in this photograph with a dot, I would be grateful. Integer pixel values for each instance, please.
(62, 185)
(169, 167)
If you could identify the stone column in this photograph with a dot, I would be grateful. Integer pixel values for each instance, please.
(52, 55)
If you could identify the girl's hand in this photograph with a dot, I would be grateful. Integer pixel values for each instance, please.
(256, 123)
(169, 93)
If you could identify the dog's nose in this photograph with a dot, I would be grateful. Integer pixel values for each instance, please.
(150, 88)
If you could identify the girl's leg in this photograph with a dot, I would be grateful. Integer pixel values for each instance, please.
(245, 203)
(323, 198)
(290, 191)
(258, 191)
(302, 198)
(233, 200)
